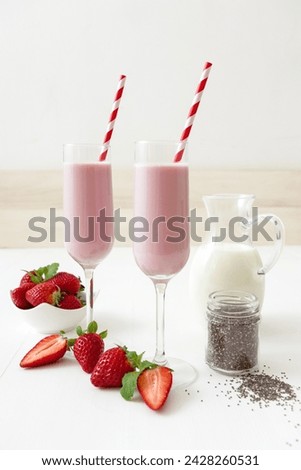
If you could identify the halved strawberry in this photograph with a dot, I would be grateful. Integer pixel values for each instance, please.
(112, 365)
(44, 292)
(153, 382)
(18, 296)
(67, 282)
(154, 386)
(69, 302)
(50, 349)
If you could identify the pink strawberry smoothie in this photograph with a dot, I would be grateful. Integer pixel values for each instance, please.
(88, 190)
(162, 191)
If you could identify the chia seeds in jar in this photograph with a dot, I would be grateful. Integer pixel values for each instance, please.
(233, 328)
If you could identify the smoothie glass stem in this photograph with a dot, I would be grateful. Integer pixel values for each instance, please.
(89, 294)
(160, 287)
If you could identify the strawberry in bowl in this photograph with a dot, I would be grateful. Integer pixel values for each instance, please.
(50, 300)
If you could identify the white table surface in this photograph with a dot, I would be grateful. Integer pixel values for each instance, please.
(56, 407)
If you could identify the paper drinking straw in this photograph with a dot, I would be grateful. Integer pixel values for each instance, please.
(192, 112)
(112, 119)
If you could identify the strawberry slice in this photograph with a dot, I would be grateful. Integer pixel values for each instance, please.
(154, 386)
(50, 349)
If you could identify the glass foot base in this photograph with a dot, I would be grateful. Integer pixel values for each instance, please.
(184, 373)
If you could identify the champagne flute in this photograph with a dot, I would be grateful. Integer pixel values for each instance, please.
(88, 206)
(161, 204)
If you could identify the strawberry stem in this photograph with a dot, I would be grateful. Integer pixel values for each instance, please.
(91, 328)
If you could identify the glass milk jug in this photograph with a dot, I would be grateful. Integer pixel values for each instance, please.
(227, 258)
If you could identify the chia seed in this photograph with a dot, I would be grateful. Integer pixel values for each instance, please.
(260, 390)
(263, 388)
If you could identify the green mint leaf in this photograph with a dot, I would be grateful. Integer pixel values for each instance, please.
(40, 271)
(44, 273)
(129, 383)
(50, 270)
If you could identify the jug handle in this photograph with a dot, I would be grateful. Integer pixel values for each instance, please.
(278, 240)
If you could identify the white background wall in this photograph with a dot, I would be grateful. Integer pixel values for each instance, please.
(61, 59)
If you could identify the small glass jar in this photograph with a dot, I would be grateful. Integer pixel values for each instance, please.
(233, 332)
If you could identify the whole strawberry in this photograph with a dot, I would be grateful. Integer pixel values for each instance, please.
(88, 346)
(44, 292)
(70, 302)
(111, 367)
(27, 279)
(18, 296)
(67, 282)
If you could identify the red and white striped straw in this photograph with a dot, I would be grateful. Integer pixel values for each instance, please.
(112, 119)
(192, 112)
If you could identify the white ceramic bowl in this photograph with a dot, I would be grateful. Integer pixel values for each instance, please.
(48, 319)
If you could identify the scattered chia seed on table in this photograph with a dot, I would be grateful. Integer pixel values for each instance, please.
(263, 388)
(260, 389)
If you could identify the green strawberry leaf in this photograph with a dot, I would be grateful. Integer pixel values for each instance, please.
(134, 358)
(147, 365)
(79, 330)
(129, 383)
(36, 278)
(137, 362)
(36, 275)
(103, 334)
(92, 327)
(71, 342)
